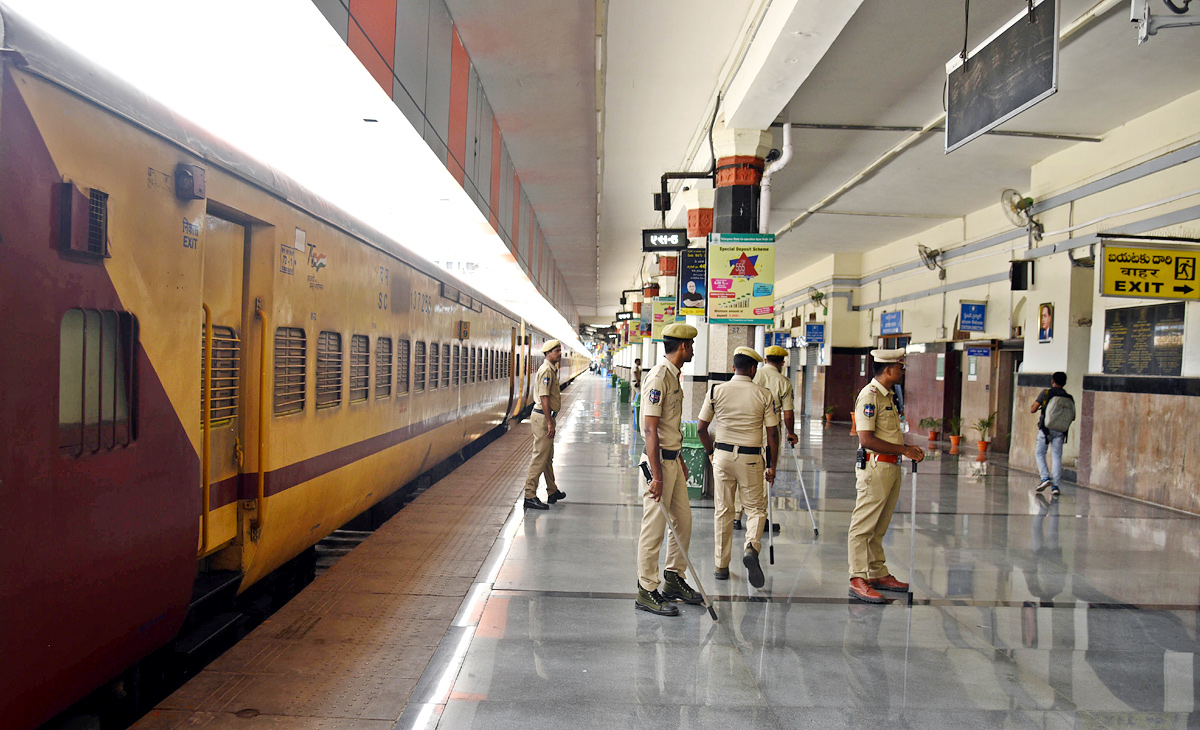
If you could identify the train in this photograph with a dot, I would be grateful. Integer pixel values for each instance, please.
(206, 369)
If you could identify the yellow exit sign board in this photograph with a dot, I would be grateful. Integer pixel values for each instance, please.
(1148, 270)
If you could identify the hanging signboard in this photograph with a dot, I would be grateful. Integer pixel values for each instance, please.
(814, 334)
(664, 314)
(664, 239)
(692, 283)
(741, 278)
(1148, 269)
(972, 316)
(891, 323)
(624, 316)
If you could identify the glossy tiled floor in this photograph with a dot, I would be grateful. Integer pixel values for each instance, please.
(1079, 612)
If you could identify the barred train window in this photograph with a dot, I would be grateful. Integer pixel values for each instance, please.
(223, 399)
(360, 367)
(446, 366)
(434, 364)
(402, 348)
(291, 356)
(329, 370)
(454, 366)
(474, 364)
(96, 381)
(383, 367)
(419, 367)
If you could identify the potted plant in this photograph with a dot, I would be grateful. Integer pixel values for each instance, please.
(932, 425)
(984, 425)
(829, 414)
(953, 429)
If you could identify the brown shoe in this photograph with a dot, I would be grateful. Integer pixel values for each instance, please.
(860, 590)
(889, 583)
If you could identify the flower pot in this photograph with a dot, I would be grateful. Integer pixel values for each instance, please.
(828, 419)
(955, 441)
(933, 435)
(954, 448)
(982, 446)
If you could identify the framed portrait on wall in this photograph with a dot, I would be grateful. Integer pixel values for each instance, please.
(1046, 322)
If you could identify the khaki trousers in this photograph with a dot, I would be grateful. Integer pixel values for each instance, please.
(740, 475)
(878, 489)
(543, 458)
(654, 523)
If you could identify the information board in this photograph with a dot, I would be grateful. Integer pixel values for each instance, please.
(692, 282)
(891, 323)
(979, 352)
(1148, 270)
(1144, 340)
(741, 278)
(972, 316)
(814, 334)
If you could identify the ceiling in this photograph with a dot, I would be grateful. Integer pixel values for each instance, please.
(663, 64)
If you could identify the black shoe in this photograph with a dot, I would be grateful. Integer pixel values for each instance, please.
(654, 602)
(675, 588)
(560, 494)
(737, 524)
(535, 503)
(1045, 483)
(772, 526)
(721, 573)
(775, 527)
(750, 560)
(1054, 491)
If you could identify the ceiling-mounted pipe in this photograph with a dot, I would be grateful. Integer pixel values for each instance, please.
(764, 199)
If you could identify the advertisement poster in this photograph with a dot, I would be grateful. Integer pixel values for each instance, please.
(640, 328)
(692, 282)
(664, 314)
(741, 278)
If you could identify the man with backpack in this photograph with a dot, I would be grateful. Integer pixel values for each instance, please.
(1058, 412)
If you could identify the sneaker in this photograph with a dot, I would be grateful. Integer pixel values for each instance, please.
(1045, 483)
(560, 494)
(1054, 491)
(721, 573)
(535, 503)
(750, 560)
(654, 602)
(675, 588)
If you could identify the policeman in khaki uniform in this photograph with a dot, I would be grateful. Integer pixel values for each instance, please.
(546, 394)
(741, 411)
(878, 483)
(771, 377)
(665, 476)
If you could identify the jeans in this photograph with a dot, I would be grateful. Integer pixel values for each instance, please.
(1055, 444)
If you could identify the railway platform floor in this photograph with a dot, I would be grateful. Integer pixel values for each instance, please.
(465, 612)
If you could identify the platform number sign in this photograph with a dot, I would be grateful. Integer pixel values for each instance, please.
(464, 330)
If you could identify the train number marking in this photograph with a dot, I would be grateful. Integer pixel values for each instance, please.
(422, 303)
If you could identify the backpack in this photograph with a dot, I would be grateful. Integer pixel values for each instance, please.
(1060, 413)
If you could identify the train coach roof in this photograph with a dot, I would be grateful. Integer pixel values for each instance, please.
(26, 46)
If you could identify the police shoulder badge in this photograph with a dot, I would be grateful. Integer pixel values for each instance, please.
(655, 396)
(869, 410)
(546, 380)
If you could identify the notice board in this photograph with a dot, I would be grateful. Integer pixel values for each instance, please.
(1144, 340)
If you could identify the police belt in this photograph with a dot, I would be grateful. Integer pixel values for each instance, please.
(553, 414)
(668, 454)
(740, 449)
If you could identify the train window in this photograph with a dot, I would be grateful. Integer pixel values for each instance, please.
(419, 368)
(434, 364)
(383, 367)
(466, 364)
(474, 367)
(402, 348)
(360, 367)
(454, 366)
(446, 366)
(290, 361)
(222, 403)
(329, 370)
(96, 380)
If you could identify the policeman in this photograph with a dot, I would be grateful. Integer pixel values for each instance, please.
(546, 393)
(771, 377)
(741, 411)
(665, 476)
(878, 479)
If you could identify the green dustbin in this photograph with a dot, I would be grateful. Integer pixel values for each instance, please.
(623, 389)
(692, 454)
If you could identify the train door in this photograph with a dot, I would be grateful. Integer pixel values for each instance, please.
(512, 349)
(224, 257)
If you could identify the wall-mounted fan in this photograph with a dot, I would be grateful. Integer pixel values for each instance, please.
(818, 299)
(929, 257)
(1017, 208)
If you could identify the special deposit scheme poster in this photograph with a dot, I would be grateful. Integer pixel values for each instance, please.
(664, 314)
(741, 278)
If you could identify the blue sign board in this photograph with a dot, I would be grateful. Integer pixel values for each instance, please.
(891, 323)
(972, 316)
(777, 338)
(979, 352)
(815, 334)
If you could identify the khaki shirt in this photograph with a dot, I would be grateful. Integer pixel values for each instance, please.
(663, 397)
(781, 388)
(546, 384)
(739, 410)
(875, 410)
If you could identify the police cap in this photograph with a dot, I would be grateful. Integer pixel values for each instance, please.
(550, 345)
(776, 351)
(886, 356)
(680, 331)
(748, 352)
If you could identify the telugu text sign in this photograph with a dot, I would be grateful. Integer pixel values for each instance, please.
(741, 278)
(1148, 270)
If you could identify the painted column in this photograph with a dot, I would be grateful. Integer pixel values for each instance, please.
(699, 205)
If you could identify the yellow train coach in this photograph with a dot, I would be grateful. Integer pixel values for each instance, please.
(205, 368)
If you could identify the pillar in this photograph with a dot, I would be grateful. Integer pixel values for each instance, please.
(699, 205)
